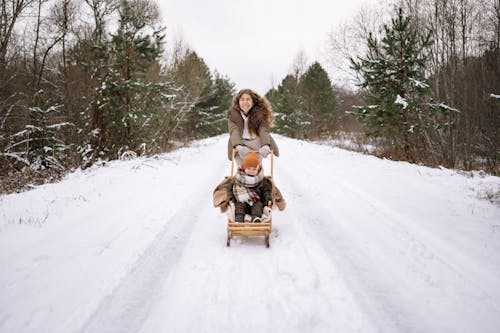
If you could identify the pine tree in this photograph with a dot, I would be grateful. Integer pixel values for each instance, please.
(393, 78)
(125, 100)
(320, 101)
(40, 145)
(288, 103)
(213, 111)
(192, 74)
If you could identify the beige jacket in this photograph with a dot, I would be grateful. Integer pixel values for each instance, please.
(235, 125)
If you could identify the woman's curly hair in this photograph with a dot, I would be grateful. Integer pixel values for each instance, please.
(261, 110)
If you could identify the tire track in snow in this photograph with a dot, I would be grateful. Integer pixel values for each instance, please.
(308, 214)
(126, 308)
(426, 243)
(249, 288)
(388, 258)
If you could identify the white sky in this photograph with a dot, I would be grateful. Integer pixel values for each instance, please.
(255, 42)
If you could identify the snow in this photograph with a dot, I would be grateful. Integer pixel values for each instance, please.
(401, 101)
(445, 107)
(59, 126)
(419, 84)
(16, 156)
(364, 245)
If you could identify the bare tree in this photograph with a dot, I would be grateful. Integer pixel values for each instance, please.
(465, 34)
(10, 12)
(463, 72)
(299, 65)
(347, 40)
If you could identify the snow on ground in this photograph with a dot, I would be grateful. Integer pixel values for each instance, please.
(365, 245)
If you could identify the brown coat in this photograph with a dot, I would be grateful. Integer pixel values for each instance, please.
(235, 125)
(221, 195)
(278, 199)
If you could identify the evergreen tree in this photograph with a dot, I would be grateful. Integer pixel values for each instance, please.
(40, 145)
(125, 100)
(287, 101)
(192, 74)
(213, 111)
(392, 76)
(320, 101)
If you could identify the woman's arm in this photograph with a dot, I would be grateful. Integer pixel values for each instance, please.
(265, 137)
(234, 130)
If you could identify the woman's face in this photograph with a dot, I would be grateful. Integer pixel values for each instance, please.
(246, 103)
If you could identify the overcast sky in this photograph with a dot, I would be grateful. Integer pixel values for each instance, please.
(255, 42)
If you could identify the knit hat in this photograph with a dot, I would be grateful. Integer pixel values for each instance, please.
(251, 160)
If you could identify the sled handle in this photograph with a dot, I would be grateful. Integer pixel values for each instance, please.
(272, 163)
(233, 153)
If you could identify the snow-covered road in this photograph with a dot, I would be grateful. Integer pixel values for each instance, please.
(365, 245)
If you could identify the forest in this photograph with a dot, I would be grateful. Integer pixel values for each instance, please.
(79, 92)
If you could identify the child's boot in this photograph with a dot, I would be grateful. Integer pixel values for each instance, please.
(257, 209)
(239, 212)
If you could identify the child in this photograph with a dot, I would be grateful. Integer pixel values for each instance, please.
(250, 190)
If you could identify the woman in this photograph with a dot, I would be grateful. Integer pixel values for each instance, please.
(249, 120)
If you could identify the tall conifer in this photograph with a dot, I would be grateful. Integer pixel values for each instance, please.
(393, 78)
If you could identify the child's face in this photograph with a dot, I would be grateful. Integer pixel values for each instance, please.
(251, 171)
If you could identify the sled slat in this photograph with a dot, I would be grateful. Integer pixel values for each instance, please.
(248, 224)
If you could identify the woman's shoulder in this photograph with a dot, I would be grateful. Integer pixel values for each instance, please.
(234, 116)
(232, 112)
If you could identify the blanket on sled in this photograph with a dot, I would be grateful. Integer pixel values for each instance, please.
(221, 197)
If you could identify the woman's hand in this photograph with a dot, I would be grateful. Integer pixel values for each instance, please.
(264, 151)
(242, 150)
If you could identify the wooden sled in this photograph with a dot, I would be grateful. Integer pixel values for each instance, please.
(248, 228)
